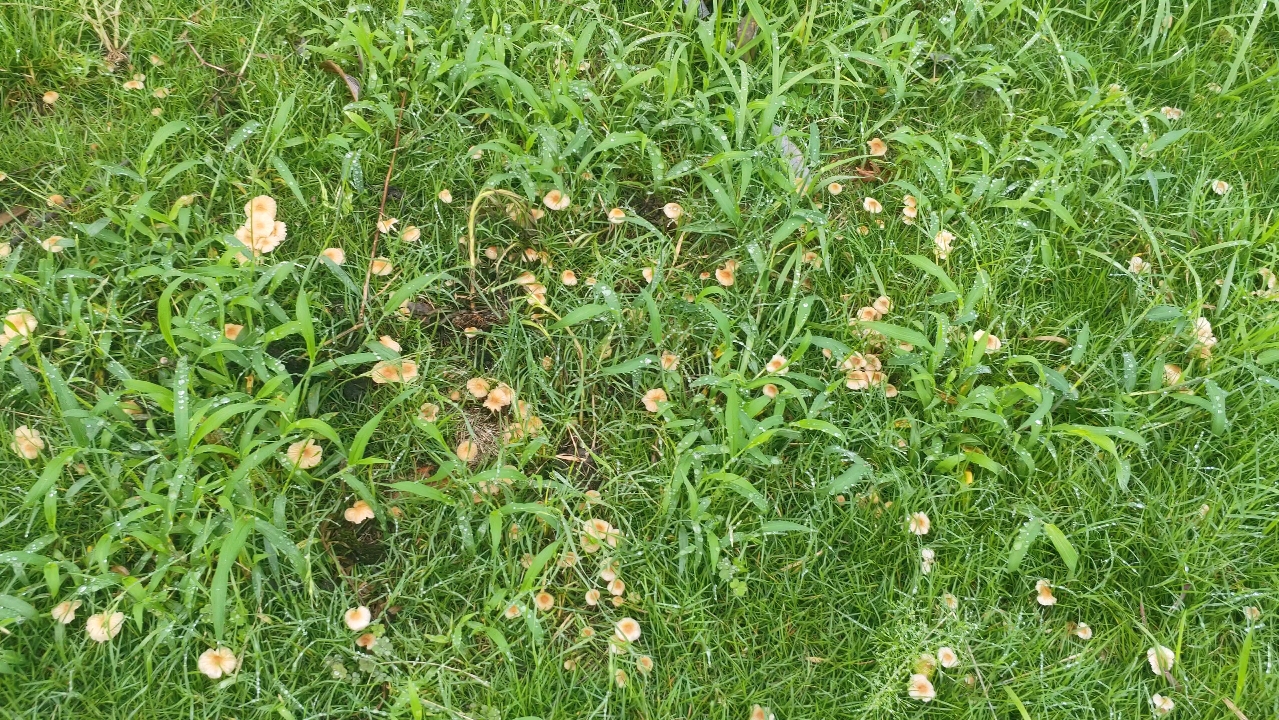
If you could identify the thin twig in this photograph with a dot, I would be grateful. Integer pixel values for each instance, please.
(1234, 708)
(981, 679)
(183, 39)
(342, 334)
(381, 210)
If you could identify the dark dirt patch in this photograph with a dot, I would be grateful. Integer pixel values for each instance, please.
(356, 388)
(355, 545)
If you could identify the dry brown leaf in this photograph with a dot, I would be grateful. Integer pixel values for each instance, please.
(351, 83)
(8, 217)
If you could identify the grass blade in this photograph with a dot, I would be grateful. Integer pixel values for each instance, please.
(1025, 537)
(227, 555)
(1067, 551)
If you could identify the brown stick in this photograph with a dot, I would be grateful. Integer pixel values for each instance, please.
(980, 678)
(381, 210)
(1234, 708)
(342, 334)
(183, 39)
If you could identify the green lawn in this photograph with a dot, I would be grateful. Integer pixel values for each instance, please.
(1002, 264)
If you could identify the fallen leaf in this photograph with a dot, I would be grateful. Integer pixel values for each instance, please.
(8, 217)
(351, 83)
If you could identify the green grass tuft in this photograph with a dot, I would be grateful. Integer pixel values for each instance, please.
(1117, 442)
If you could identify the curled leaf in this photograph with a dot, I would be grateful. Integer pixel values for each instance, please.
(351, 83)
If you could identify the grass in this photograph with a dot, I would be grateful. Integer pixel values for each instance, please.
(765, 546)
